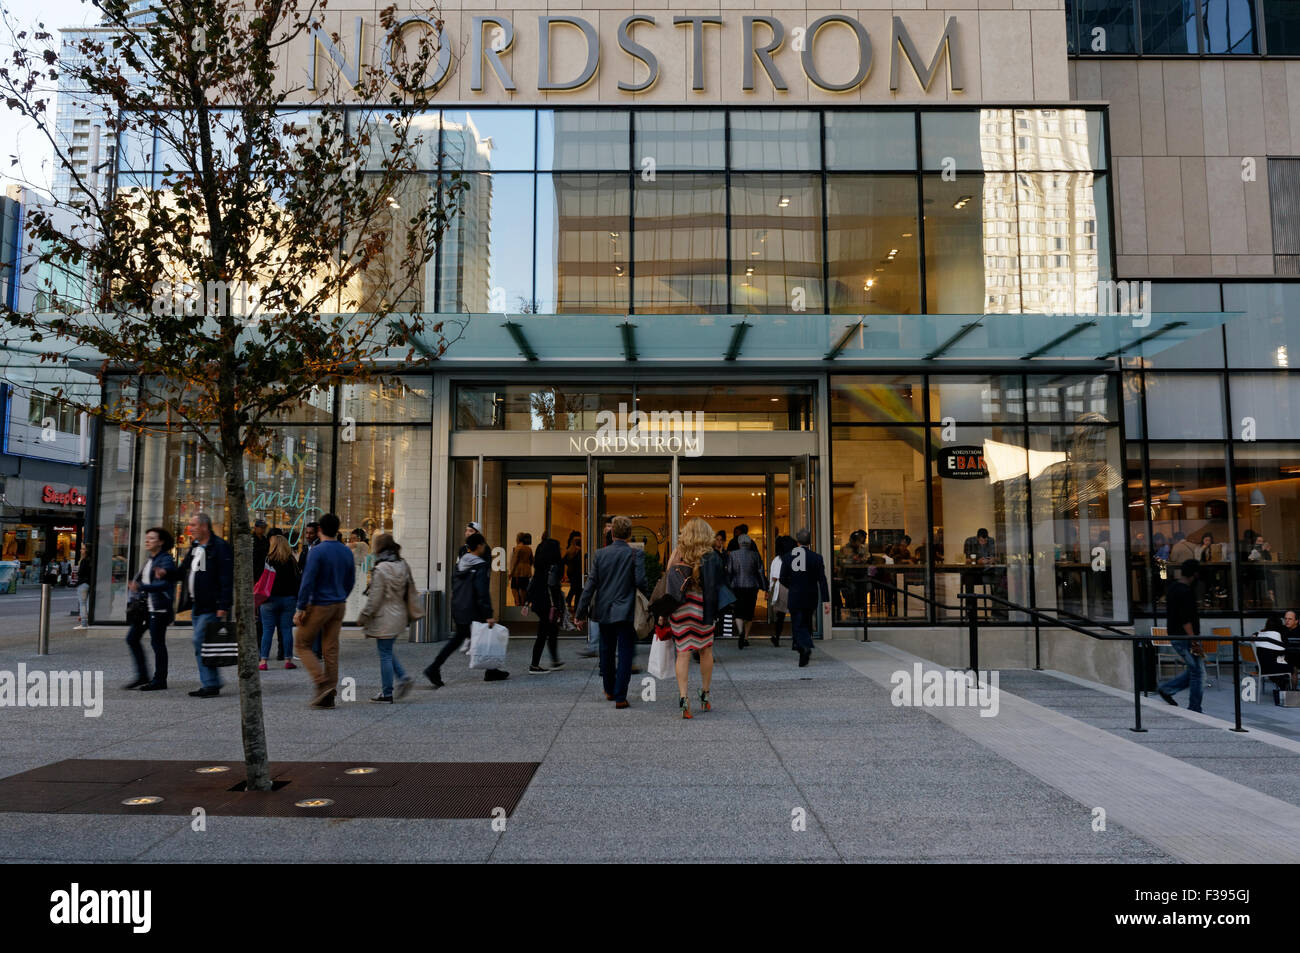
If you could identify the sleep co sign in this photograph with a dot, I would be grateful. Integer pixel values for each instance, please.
(492, 38)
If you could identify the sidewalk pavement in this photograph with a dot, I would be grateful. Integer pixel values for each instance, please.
(823, 744)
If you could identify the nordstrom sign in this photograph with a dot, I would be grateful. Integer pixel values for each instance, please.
(493, 38)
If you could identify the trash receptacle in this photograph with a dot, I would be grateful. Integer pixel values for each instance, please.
(429, 628)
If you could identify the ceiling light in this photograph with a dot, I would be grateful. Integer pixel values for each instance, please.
(613, 234)
(1175, 498)
(870, 282)
(907, 235)
(783, 202)
(1257, 498)
(893, 252)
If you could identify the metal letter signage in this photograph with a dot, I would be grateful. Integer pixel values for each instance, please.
(544, 52)
(864, 54)
(945, 48)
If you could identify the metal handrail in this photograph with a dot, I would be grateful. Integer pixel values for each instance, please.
(1110, 634)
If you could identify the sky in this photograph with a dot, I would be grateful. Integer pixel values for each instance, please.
(16, 136)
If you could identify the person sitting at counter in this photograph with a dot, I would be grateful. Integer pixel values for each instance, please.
(1182, 550)
(981, 550)
(853, 563)
(901, 552)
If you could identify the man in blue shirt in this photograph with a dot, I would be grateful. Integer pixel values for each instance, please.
(327, 579)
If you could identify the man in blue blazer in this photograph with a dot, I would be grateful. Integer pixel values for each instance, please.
(609, 597)
(803, 574)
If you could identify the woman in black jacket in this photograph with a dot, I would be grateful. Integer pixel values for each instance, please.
(544, 599)
(149, 608)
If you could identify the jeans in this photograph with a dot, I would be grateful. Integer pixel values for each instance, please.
(1192, 677)
(801, 629)
(617, 637)
(388, 664)
(278, 611)
(593, 635)
(157, 640)
(83, 603)
(209, 677)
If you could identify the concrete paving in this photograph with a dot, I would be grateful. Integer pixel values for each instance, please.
(811, 764)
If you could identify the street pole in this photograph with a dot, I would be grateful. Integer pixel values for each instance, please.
(43, 637)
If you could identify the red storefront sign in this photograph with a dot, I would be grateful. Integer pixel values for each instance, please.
(73, 496)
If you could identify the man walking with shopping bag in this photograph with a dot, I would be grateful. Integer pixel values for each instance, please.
(609, 598)
(471, 601)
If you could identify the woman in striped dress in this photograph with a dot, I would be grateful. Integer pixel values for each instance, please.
(696, 573)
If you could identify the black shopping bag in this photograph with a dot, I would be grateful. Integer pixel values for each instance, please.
(220, 645)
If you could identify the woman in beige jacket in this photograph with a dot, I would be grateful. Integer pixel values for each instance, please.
(384, 616)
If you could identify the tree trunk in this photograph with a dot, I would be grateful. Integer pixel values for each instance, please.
(256, 762)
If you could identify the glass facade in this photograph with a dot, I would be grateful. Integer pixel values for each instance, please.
(1183, 27)
(774, 211)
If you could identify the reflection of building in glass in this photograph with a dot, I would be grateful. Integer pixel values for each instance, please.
(466, 268)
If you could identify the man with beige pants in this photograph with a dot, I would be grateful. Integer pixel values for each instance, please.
(327, 579)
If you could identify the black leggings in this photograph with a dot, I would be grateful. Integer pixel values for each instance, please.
(780, 623)
(547, 634)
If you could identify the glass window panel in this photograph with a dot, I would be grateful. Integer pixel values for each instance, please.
(1147, 555)
(383, 487)
(872, 245)
(487, 140)
(775, 139)
(877, 399)
(1076, 494)
(376, 137)
(1115, 21)
(135, 149)
(1059, 225)
(487, 250)
(968, 140)
(878, 523)
(1133, 427)
(1268, 517)
(535, 406)
(870, 140)
(389, 400)
(1071, 398)
(318, 408)
(772, 406)
(583, 139)
(1058, 140)
(288, 485)
(1282, 27)
(681, 244)
(1229, 26)
(1268, 334)
(997, 563)
(1184, 405)
(977, 399)
(1189, 512)
(388, 276)
(1270, 401)
(776, 243)
(681, 140)
(1169, 26)
(113, 505)
(583, 243)
(972, 245)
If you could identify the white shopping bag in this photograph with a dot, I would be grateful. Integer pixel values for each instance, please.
(663, 658)
(487, 645)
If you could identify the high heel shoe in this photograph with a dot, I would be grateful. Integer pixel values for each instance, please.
(704, 701)
(684, 706)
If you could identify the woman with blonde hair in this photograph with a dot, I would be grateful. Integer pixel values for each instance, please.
(695, 576)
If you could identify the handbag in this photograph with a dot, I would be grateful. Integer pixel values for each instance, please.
(220, 645)
(414, 609)
(663, 659)
(667, 599)
(555, 615)
(555, 575)
(137, 612)
(644, 621)
(262, 589)
(781, 599)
